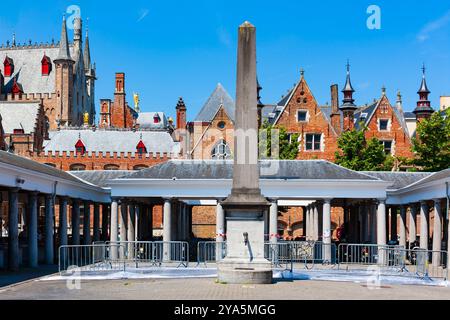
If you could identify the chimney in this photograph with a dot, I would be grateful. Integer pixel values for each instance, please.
(118, 109)
(181, 114)
(335, 114)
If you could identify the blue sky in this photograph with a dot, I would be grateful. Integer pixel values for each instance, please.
(171, 48)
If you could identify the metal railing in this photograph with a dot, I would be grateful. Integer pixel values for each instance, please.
(210, 252)
(88, 258)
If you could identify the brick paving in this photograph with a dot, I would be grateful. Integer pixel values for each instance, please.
(208, 289)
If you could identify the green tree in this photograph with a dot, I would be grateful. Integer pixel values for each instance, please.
(288, 144)
(432, 142)
(357, 153)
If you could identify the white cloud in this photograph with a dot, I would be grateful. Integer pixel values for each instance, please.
(142, 14)
(433, 26)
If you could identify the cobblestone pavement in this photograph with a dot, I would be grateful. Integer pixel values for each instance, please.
(207, 289)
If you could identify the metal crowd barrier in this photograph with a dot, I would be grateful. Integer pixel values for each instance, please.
(153, 253)
(78, 258)
(210, 251)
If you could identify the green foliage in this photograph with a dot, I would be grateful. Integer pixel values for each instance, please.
(358, 154)
(432, 142)
(288, 144)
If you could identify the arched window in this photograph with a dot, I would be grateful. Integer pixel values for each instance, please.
(140, 167)
(77, 167)
(221, 151)
(111, 167)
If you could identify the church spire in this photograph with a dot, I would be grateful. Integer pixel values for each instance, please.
(64, 53)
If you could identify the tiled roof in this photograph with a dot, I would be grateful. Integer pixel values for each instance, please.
(111, 141)
(400, 179)
(219, 97)
(99, 178)
(210, 169)
(18, 115)
(146, 120)
(27, 68)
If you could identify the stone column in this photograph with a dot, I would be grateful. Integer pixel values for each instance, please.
(131, 229)
(402, 240)
(326, 232)
(273, 222)
(75, 222)
(167, 228)
(96, 222)
(105, 221)
(423, 225)
(393, 211)
(437, 233)
(123, 236)
(63, 225)
(220, 222)
(49, 227)
(381, 229)
(33, 229)
(316, 222)
(87, 223)
(114, 229)
(13, 229)
(412, 223)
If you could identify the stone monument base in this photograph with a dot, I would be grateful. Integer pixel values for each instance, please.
(236, 271)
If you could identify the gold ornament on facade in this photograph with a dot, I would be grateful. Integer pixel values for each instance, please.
(136, 102)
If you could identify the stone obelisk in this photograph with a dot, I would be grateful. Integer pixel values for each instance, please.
(245, 206)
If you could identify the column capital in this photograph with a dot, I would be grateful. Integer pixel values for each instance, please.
(327, 200)
(381, 200)
(423, 202)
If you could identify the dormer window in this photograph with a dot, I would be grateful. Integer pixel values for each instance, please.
(156, 118)
(80, 148)
(141, 148)
(16, 88)
(8, 65)
(46, 66)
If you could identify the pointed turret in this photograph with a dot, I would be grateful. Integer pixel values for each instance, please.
(64, 52)
(87, 53)
(348, 106)
(348, 101)
(423, 108)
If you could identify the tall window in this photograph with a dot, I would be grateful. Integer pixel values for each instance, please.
(313, 141)
(387, 144)
(221, 151)
(384, 124)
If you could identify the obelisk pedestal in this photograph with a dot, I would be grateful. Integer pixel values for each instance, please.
(245, 206)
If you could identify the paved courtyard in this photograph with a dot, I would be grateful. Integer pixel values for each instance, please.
(208, 289)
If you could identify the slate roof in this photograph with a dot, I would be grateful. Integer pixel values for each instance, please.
(400, 179)
(27, 68)
(17, 115)
(111, 141)
(22, 162)
(145, 120)
(99, 178)
(219, 97)
(210, 169)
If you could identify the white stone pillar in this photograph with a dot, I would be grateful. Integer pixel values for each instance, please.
(326, 232)
(75, 222)
(13, 229)
(316, 222)
(437, 233)
(167, 228)
(412, 223)
(381, 229)
(96, 222)
(87, 223)
(220, 223)
(131, 230)
(402, 239)
(49, 227)
(308, 223)
(114, 227)
(33, 229)
(423, 225)
(273, 222)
